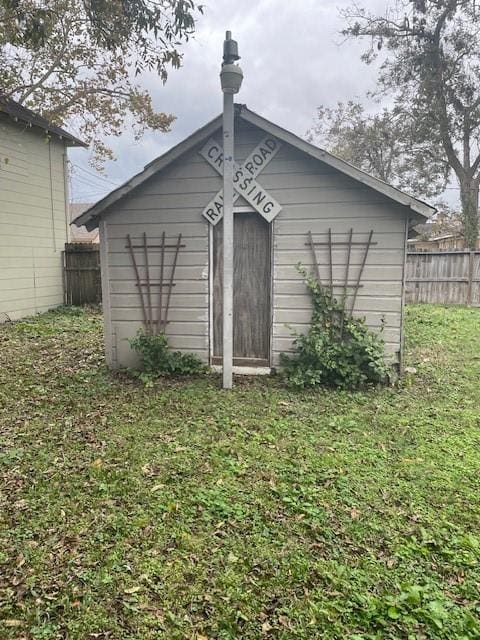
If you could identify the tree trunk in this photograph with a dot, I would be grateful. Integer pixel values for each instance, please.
(469, 198)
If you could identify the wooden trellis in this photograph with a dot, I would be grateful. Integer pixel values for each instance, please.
(349, 281)
(155, 313)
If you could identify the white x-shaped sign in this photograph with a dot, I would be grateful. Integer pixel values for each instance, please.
(243, 179)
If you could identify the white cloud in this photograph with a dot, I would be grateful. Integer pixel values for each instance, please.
(293, 60)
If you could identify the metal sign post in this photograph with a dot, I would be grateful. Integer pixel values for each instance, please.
(231, 78)
(228, 240)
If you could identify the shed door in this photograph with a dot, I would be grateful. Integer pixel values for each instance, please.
(251, 290)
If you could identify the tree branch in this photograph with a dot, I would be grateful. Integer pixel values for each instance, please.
(443, 111)
(45, 76)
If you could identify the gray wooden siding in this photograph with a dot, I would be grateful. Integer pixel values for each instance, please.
(339, 204)
(33, 222)
(174, 205)
(314, 198)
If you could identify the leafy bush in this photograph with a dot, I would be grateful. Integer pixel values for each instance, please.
(337, 351)
(158, 358)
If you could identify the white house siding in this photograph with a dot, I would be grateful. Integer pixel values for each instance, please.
(314, 197)
(33, 223)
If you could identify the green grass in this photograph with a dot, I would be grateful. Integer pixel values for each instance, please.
(184, 512)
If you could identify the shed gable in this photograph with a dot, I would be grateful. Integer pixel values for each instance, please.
(186, 186)
(90, 218)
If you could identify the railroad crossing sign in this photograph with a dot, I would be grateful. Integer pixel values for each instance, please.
(244, 181)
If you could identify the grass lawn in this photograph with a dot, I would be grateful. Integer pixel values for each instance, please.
(184, 512)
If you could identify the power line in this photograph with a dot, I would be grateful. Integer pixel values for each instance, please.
(79, 199)
(90, 188)
(82, 187)
(92, 198)
(85, 187)
(94, 175)
(87, 181)
(86, 194)
(82, 181)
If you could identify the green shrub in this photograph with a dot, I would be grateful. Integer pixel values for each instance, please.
(158, 358)
(334, 352)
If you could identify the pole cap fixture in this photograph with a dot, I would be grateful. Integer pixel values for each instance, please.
(231, 75)
(230, 49)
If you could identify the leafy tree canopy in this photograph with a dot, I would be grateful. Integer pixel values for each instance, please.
(430, 66)
(76, 61)
(382, 144)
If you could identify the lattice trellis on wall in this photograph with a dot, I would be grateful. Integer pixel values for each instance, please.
(155, 305)
(351, 281)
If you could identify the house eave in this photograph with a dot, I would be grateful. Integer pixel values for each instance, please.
(20, 114)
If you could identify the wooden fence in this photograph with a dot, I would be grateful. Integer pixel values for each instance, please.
(81, 274)
(437, 277)
(443, 277)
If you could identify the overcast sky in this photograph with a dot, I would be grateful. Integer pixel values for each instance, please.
(293, 58)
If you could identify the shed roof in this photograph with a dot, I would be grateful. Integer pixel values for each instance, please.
(19, 113)
(90, 217)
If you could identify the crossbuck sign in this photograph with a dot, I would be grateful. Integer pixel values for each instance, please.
(244, 181)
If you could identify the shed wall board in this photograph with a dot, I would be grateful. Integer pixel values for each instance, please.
(314, 197)
(33, 220)
(188, 328)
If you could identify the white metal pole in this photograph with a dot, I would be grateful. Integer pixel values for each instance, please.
(231, 77)
(228, 144)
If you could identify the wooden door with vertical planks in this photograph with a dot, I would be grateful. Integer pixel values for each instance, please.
(251, 290)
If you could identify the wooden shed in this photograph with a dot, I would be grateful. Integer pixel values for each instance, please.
(161, 238)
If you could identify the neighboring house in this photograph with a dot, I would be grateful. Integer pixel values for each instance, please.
(33, 210)
(443, 242)
(81, 234)
(433, 236)
(290, 192)
(453, 241)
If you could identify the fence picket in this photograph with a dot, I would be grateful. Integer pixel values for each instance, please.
(81, 274)
(443, 277)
